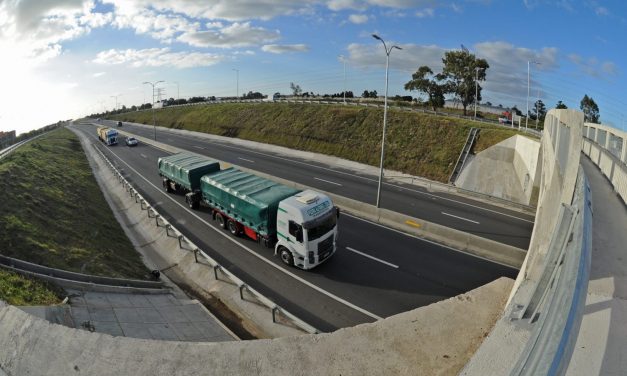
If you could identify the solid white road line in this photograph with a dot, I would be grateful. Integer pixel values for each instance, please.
(462, 218)
(327, 181)
(229, 237)
(143, 155)
(244, 159)
(372, 257)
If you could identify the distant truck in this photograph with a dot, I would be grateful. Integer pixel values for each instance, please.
(301, 226)
(107, 135)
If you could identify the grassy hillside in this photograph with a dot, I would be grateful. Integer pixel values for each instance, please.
(54, 214)
(418, 144)
(18, 290)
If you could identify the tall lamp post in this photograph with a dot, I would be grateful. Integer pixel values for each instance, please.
(528, 86)
(385, 111)
(154, 122)
(236, 82)
(344, 61)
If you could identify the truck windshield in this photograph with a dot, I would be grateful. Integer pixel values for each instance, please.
(322, 228)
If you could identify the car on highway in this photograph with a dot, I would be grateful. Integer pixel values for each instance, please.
(119, 123)
(131, 141)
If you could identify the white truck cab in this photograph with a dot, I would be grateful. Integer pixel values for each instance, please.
(306, 229)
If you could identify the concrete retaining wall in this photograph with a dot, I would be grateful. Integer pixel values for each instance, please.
(508, 170)
(433, 340)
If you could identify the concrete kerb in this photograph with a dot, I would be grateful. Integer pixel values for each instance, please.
(462, 241)
(395, 176)
(301, 325)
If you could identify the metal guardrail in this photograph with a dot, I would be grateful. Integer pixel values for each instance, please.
(190, 246)
(461, 161)
(555, 309)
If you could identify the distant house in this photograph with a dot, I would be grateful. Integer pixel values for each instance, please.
(7, 139)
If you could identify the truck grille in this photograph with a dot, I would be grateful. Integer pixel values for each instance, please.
(325, 248)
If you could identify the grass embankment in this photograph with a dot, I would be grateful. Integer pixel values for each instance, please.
(417, 144)
(54, 214)
(18, 290)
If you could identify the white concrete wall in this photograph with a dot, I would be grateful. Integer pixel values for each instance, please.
(508, 170)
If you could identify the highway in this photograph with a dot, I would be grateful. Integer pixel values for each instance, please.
(479, 218)
(376, 272)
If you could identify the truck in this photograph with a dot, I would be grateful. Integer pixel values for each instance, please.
(107, 135)
(301, 226)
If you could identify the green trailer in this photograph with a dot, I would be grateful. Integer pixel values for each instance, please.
(250, 200)
(182, 172)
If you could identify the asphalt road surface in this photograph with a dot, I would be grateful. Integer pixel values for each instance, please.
(376, 272)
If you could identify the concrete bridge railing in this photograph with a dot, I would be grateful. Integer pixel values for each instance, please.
(537, 331)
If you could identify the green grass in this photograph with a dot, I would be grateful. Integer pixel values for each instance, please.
(418, 144)
(18, 290)
(54, 214)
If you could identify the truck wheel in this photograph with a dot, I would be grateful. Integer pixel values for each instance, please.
(166, 185)
(233, 228)
(286, 256)
(221, 221)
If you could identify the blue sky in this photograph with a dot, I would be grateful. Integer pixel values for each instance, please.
(69, 58)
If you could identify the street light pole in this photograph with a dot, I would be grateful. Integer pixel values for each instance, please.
(476, 89)
(237, 82)
(154, 122)
(344, 61)
(385, 112)
(528, 86)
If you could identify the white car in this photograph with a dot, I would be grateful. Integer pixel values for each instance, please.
(131, 141)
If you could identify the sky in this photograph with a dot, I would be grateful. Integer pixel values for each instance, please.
(64, 59)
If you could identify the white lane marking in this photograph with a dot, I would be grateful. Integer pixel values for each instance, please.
(247, 160)
(427, 240)
(328, 181)
(376, 180)
(199, 147)
(144, 155)
(229, 237)
(372, 257)
(462, 218)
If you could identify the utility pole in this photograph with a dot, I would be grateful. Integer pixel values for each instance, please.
(385, 112)
(154, 122)
(528, 85)
(344, 61)
(236, 83)
(476, 89)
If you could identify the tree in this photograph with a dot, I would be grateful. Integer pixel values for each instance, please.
(590, 110)
(539, 110)
(296, 90)
(461, 68)
(560, 105)
(426, 82)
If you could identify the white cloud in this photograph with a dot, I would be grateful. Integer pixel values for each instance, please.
(601, 11)
(234, 35)
(157, 57)
(285, 48)
(358, 18)
(592, 67)
(427, 12)
(98, 74)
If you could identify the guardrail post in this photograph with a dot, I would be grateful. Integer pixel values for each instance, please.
(141, 204)
(241, 290)
(196, 254)
(215, 270)
(274, 311)
(180, 239)
(167, 229)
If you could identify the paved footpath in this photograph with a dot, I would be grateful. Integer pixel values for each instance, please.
(601, 347)
(160, 316)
